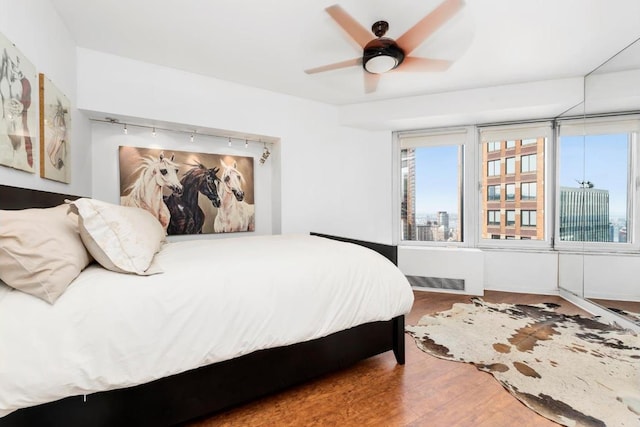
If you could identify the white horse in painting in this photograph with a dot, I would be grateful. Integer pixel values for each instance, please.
(146, 191)
(234, 214)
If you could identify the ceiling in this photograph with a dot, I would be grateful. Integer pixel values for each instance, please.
(269, 43)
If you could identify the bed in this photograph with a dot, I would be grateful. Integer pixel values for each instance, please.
(270, 351)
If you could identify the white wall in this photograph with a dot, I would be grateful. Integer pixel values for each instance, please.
(445, 263)
(521, 271)
(37, 31)
(334, 179)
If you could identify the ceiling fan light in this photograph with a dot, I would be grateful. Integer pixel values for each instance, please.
(381, 55)
(381, 64)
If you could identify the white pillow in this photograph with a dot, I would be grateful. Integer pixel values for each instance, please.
(41, 251)
(121, 238)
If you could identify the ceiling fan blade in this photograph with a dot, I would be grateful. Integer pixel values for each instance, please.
(357, 32)
(417, 34)
(371, 82)
(412, 63)
(335, 66)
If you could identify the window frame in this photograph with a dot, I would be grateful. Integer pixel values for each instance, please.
(522, 131)
(469, 196)
(599, 126)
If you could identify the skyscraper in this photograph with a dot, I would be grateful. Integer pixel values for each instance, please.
(584, 214)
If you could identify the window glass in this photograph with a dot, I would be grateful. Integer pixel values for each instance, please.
(493, 146)
(528, 191)
(594, 186)
(528, 163)
(493, 168)
(528, 218)
(511, 143)
(510, 192)
(522, 182)
(431, 177)
(493, 217)
(493, 192)
(510, 165)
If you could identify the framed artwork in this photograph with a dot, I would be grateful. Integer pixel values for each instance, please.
(189, 193)
(18, 109)
(55, 131)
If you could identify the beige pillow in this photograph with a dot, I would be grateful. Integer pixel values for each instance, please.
(41, 251)
(121, 238)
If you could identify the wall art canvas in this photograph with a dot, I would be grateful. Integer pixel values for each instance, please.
(189, 193)
(55, 131)
(18, 109)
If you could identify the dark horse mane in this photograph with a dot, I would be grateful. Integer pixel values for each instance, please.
(186, 215)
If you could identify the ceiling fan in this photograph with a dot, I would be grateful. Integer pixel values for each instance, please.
(382, 54)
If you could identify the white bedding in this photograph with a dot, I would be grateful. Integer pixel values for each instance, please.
(111, 330)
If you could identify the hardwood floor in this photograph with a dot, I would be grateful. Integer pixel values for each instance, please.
(426, 391)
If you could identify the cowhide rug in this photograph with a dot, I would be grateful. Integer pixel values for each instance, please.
(573, 370)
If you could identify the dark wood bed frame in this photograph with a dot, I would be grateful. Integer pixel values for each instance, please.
(213, 388)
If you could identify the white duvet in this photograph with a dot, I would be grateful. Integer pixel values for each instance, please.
(216, 300)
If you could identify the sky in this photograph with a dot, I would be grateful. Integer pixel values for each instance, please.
(605, 159)
(437, 179)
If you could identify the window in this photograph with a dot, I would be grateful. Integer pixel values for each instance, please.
(493, 217)
(523, 184)
(431, 173)
(510, 192)
(595, 163)
(493, 146)
(510, 165)
(493, 168)
(528, 191)
(528, 218)
(528, 163)
(493, 192)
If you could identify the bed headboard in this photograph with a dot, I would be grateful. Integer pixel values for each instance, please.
(388, 251)
(22, 198)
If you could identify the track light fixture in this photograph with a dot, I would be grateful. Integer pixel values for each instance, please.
(265, 154)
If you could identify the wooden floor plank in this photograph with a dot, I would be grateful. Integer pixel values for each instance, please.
(426, 391)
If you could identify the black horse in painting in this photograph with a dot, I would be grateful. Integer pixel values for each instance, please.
(186, 216)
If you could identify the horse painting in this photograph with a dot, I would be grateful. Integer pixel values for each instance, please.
(234, 213)
(186, 215)
(146, 191)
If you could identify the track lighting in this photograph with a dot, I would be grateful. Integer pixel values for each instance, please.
(191, 139)
(229, 141)
(125, 129)
(153, 132)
